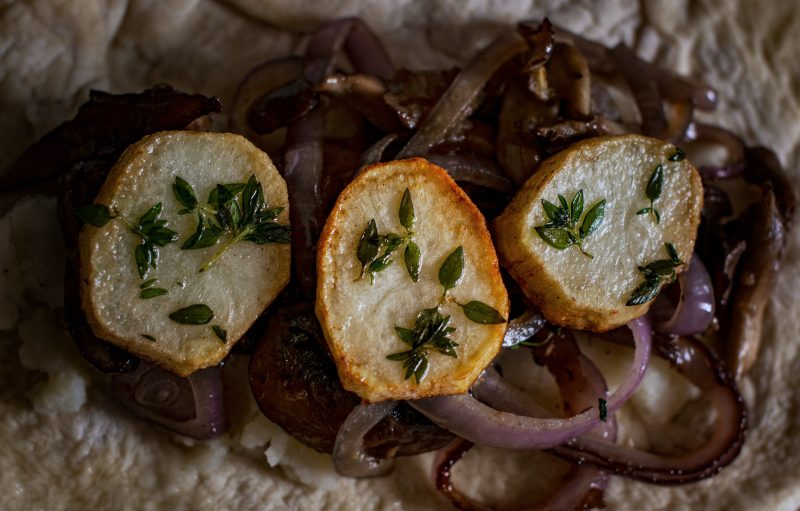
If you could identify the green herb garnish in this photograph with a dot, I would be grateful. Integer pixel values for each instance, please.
(148, 283)
(375, 250)
(152, 292)
(97, 215)
(563, 229)
(152, 231)
(431, 331)
(197, 314)
(149, 337)
(221, 333)
(655, 273)
(602, 405)
(236, 210)
(678, 155)
(653, 191)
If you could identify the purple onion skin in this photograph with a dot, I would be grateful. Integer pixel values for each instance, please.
(191, 406)
(700, 366)
(350, 458)
(695, 310)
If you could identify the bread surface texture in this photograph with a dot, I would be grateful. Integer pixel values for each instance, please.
(359, 318)
(237, 287)
(569, 287)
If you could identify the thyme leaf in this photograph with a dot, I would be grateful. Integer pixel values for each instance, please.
(406, 212)
(197, 314)
(481, 313)
(221, 333)
(152, 292)
(653, 191)
(452, 269)
(655, 274)
(565, 227)
(96, 215)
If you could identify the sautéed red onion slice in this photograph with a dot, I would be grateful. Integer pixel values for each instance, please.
(459, 100)
(470, 419)
(472, 169)
(645, 90)
(191, 406)
(303, 174)
(695, 310)
(580, 488)
(580, 384)
(350, 458)
(362, 46)
(700, 366)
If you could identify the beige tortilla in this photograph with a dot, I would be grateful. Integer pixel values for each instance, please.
(65, 445)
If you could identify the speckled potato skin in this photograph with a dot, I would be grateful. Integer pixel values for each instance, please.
(238, 287)
(358, 319)
(569, 288)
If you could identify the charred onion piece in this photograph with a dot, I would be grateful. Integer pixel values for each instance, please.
(733, 144)
(350, 458)
(568, 75)
(461, 97)
(639, 76)
(470, 419)
(281, 106)
(190, 406)
(103, 127)
(695, 310)
(260, 81)
(679, 118)
(104, 356)
(365, 93)
(762, 166)
(516, 156)
(374, 154)
(295, 384)
(540, 39)
(755, 281)
(698, 364)
(472, 169)
(413, 94)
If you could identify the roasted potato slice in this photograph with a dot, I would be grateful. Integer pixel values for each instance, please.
(122, 302)
(584, 273)
(359, 318)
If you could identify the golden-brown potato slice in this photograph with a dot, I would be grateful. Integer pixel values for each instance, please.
(359, 318)
(237, 287)
(571, 288)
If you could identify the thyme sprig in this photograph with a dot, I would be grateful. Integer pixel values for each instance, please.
(565, 228)
(375, 251)
(152, 231)
(236, 210)
(653, 191)
(655, 273)
(431, 330)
